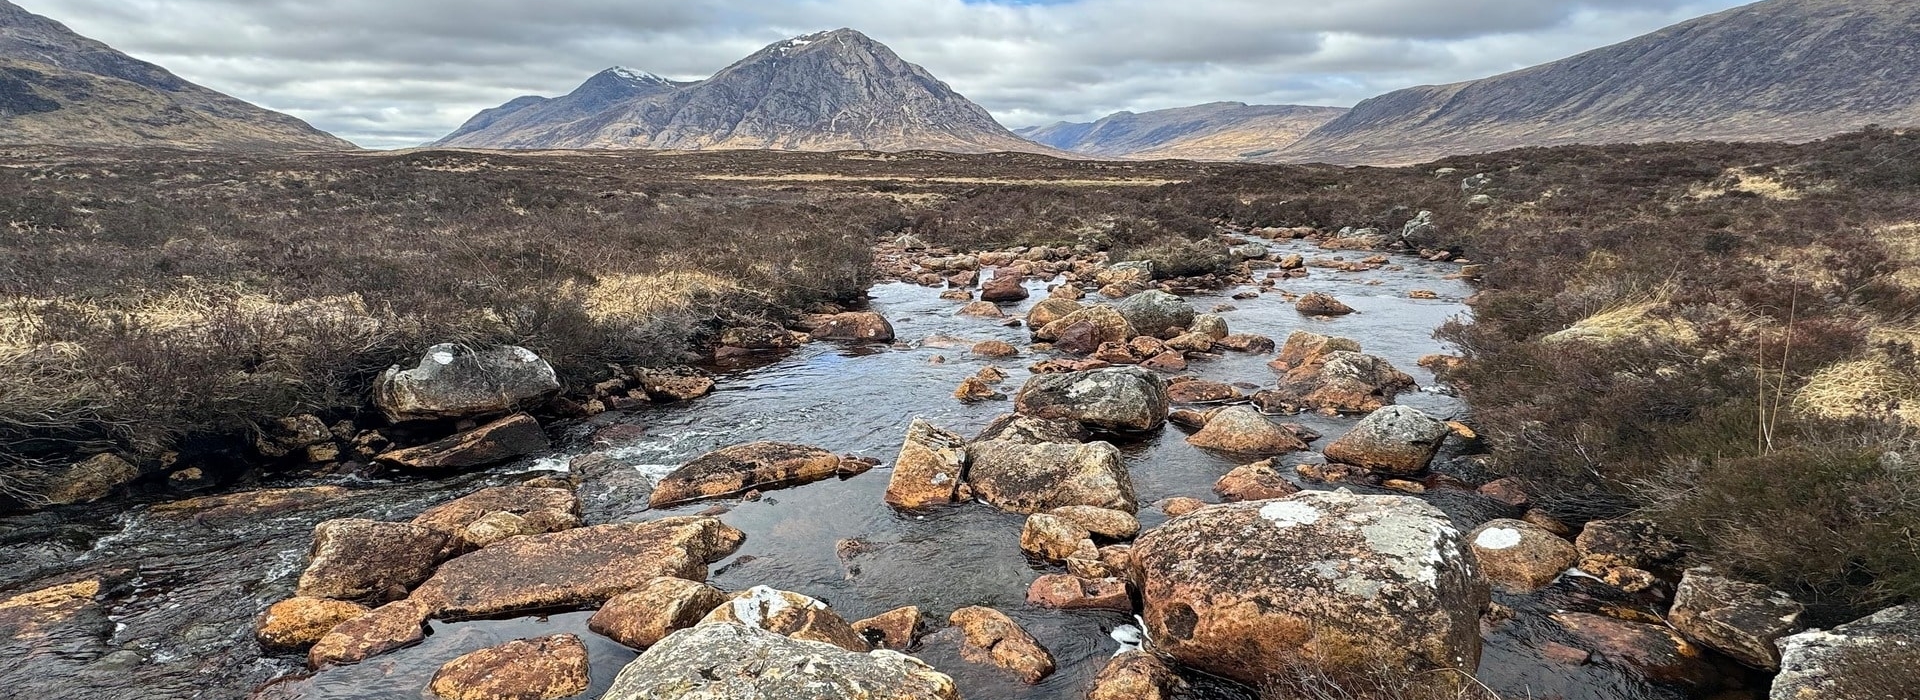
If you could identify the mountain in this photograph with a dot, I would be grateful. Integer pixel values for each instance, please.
(1222, 131)
(1779, 70)
(57, 87)
(837, 90)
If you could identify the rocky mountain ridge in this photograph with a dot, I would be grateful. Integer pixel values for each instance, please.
(1218, 131)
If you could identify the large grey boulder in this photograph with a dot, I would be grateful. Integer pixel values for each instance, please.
(454, 381)
(727, 661)
(1032, 478)
(1872, 657)
(1120, 399)
(1396, 440)
(1742, 620)
(1154, 312)
(1328, 581)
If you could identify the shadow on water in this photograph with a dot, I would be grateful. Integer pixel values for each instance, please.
(179, 622)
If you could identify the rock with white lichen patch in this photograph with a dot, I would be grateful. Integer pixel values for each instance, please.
(1326, 580)
(1520, 557)
(454, 381)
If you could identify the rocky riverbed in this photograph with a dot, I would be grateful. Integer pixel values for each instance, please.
(1014, 596)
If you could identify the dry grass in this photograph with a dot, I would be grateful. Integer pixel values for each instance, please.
(1647, 321)
(1871, 388)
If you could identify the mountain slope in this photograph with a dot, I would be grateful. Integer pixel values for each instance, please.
(835, 90)
(57, 87)
(1221, 131)
(1780, 70)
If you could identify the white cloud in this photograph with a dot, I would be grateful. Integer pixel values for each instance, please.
(387, 73)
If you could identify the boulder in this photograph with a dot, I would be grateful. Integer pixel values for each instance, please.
(1004, 286)
(993, 638)
(1181, 505)
(1241, 429)
(1139, 272)
(1191, 342)
(762, 338)
(1211, 325)
(1027, 430)
(640, 618)
(788, 614)
(88, 480)
(354, 559)
(296, 623)
(976, 390)
(981, 309)
(1259, 481)
(1322, 304)
(1742, 620)
(1305, 348)
(1397, 440)
(1064, 592)
(931, 466)
(1168, 362)
(1156, 312)
(864, 326)
(1520, 557)
(897, 629)
(1651, 651)
(759, 465)
(545, 668)
(1199, 391)
(454, 381)
(514, 436)
(995, 349)
(1608, 545)
(1249, 251)
(1105, 522)
(684, 384)
(539, 510)
(1136, 675)
(582, 567)
(289, 435)
(1051, 309)
(1868, 658)
(392, 626)
(725, 661)
(1035, 478)
(1246, 342)
(1326, 580)
(1103, 324)
(1347, 382)
(1054, 538)
(1118, 399)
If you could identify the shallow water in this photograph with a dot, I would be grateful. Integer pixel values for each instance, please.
(181, 625)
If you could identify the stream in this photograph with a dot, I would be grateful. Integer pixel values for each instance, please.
(183, 591)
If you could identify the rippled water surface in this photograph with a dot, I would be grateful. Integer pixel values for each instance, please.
(186, 590)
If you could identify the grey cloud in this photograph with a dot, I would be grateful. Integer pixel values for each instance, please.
(388, 73)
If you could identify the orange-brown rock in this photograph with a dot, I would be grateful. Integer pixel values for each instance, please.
(1105, 522)
(683, 384)
(640, 618)
(1520, 557)
(995, 349)
(1305, 349)
(1322, 304)
(545, 668)
(1062, 592)
(897, 629)
(1049, 310)
(929, 469)
(864, 326)
(981, 309)
(977, 390)
(514, 436)
(355, 559)
(1656, 652)
(1106, 326)
(789, 614)
(1115, 353)
(386, 628)
(1242, 430)
(1198, 391)
(1019, 477)
(1258, 481)
(1055, 538)
(1006, 285)
(296, 623)
(1246, 342)
(993, 638)
(1509, 491)
(582, 567)
(1181, 505)
(754, 466)
(1168, 362)
(1136, 675)
(539, 510)
(1341, 381)
(206, 509)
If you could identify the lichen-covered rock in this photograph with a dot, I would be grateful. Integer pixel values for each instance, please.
(1128, 272)
(1049, 310)
(683, 384)
(1189, 391)
(759, 465)
(1118, 399)
(1056, 539)
(453, 381)
(1347, 382)
(296, 623)
(538, 510)
(1034, 478)
(1610, 545)
(788, 614)
(1305, 348)
(864, 326)
(354, 559)
(1136, 675)
(87, 481)
(1105, 522)
(546, 668)
(1027, 430)
(1064, 592)
(1328, 580)
(725, 661)
(1322, 304)
(1156, 313)
(1259, 481)
(1519, 557)
(1742, 620)
(1241, 429)
(1397, 440)
(993, 638)
(388, 627)
(582, 567)
(514, 436)
(930, 468)
(1848, 662)
(897, 629)
(1211, 325)
(640, 618)
(1103, 325)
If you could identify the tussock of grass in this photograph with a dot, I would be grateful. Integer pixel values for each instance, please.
(1871, 388)
(1645, 321)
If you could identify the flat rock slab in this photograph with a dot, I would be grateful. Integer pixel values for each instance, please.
(759, 465)
(726, 661)
(575, 568)
(514, 436)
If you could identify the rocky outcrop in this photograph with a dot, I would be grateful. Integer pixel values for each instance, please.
(1397, 440)
(369, 560)
(1742, 620)
(930, 468)
(297, 623)
(1242, 430)
(1848, 661)
(1120, 399)
(454, 381)
(535, 510)
(724, 661)
(759, 465)
(546, 668)
(788, 614)
(993, 638)
(576, 568)
(640, 618)
(514, 436)
(1518, 556)
(1332, 581)
(1034, 478)
(1156, 313)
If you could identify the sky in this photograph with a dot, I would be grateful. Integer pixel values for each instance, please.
(397, 73)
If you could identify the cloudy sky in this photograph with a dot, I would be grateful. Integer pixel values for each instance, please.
(391, 73)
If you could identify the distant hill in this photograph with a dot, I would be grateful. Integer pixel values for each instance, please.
(60, 88)
(1219, 131)
(1779, 70)
(837, 90)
